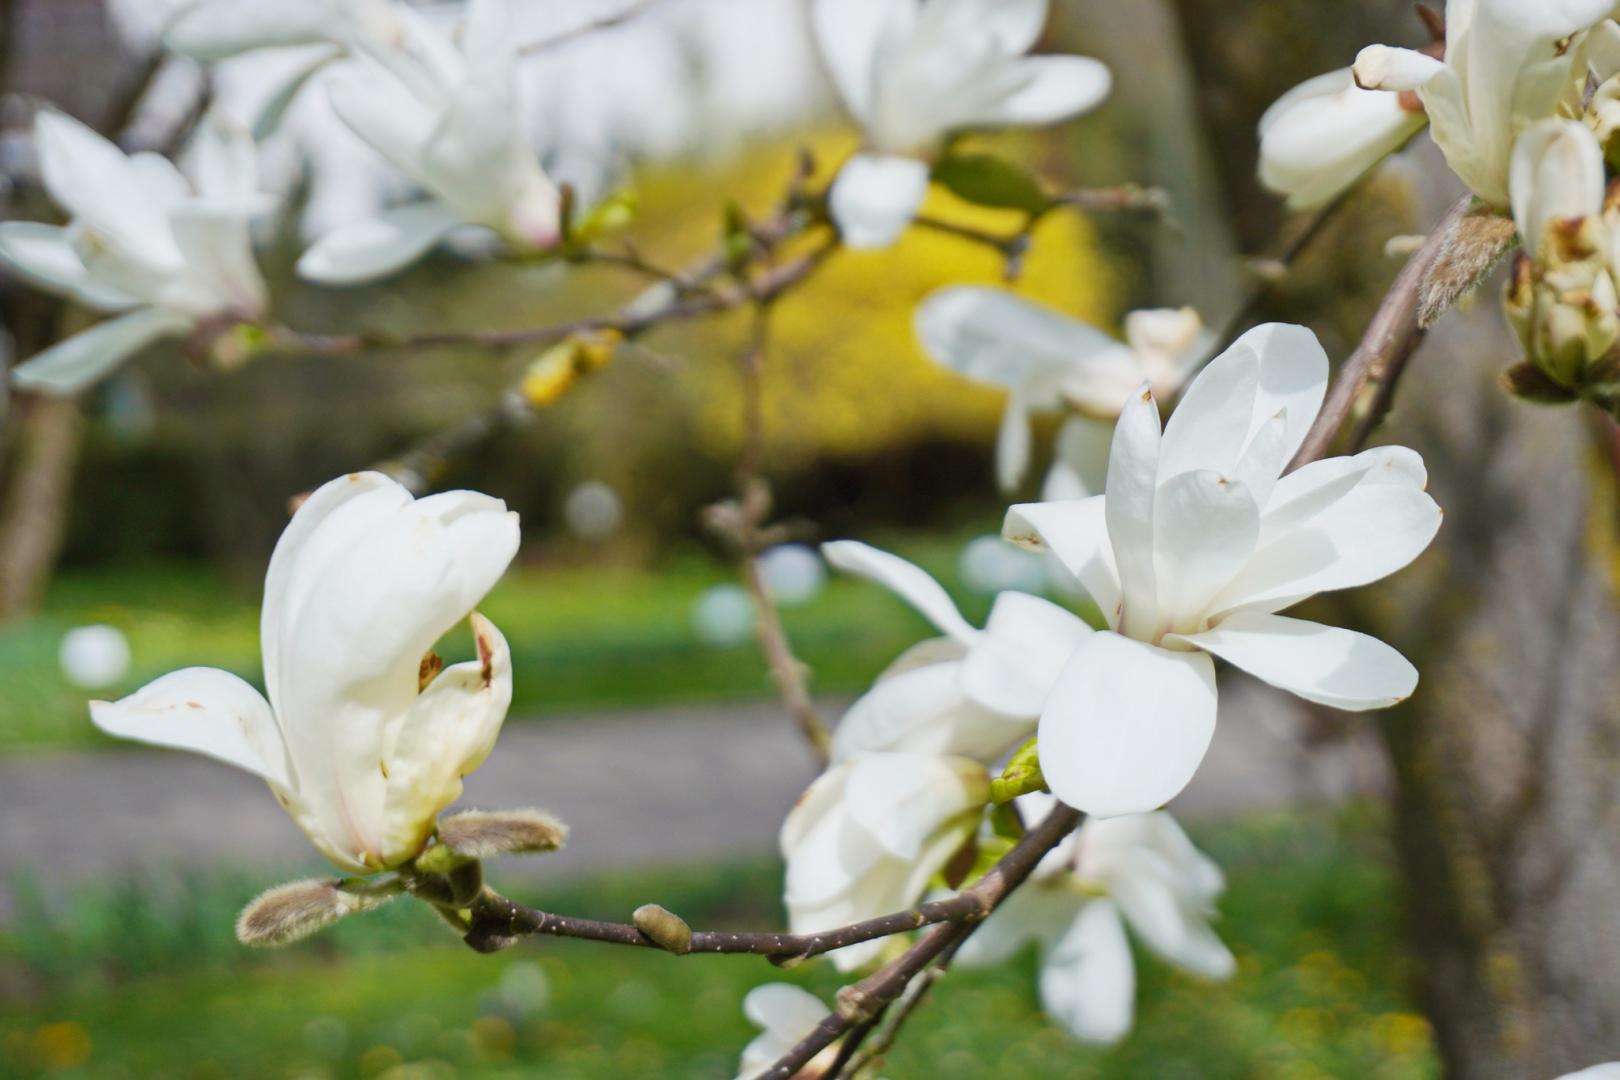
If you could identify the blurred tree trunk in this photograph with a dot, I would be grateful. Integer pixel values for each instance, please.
(1507, 759)
(33, 516)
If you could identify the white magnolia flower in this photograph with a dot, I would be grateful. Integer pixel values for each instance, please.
(786, 1013)
(1047, 361)
(212, 30)
(972, 692)
(912, 72)
(141, 240)
(1507, 64)
(1609, 1070)
(1324, 134)
(358, 746)
(449, 119)
(868, 834)
(1139, 870)
(1198, 542)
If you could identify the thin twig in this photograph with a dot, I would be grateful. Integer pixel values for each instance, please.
(1391, 336)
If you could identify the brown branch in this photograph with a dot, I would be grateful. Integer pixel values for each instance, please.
(1390, 338)
(496, 918)
(863, 1000)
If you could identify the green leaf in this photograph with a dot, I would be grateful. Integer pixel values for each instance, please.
(988, 180)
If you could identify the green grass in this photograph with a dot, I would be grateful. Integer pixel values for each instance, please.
(582, 637)
(132, 983)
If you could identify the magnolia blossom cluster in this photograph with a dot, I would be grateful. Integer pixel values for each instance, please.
(1197, 542)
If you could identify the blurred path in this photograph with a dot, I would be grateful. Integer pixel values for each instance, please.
(640, 789)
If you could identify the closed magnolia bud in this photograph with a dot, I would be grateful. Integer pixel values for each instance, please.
(664, 928)
(483, 834)
(291, 912)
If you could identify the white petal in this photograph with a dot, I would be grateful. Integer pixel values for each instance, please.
(278, 96)
(909, 582)
(1204, 532)
(225, 162)
(1293, 379)
(1015, 24)
(1126, 725)
(849, 34)
(369, 249)
(1323, 135)
(1080, 460)
(1609, 1070)
(904, 800)
(1382, 67)
(1024, 647)
(1262, 463)
(1556, 174)
(1040, 911)
(206, 711)
(1324, 664)
(1169, 924)
(786, 1011)
(74, 364)
(1210, 424)
(1077, 534)
(926, 710)
(46, 256)
(95, 182)
(1133, 464)
(1049, 89)
(217, 29)
(1013, 442)
(1307, 491)
(449, 731)
(1369, 533)
(379, 109)
(218, 248)
(998, 337)
(875, 197)
(1088, 980)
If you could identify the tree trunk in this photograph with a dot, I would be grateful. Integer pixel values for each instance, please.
(1507, 759)
(34, 515)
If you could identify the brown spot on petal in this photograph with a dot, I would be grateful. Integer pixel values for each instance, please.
(295, 503)
(486, 657)
(429, 670)
(194, 705)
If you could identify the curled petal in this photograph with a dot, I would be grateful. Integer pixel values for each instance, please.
(206, 711)
(875, 197)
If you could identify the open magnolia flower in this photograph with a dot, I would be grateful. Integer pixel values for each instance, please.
(1047, 361)
(1139, 870)
(867, 836)
(449, 119)
(140, 240)
(911, 72)
(1508, 64)
(363, 739)
(1198, 542)
(972, 692)
(786, 1013)
(1324, 134)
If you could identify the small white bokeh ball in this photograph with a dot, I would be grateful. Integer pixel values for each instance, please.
(990, 565)
(593, 511)
(723, 616)
(794, 573)
(94, 657)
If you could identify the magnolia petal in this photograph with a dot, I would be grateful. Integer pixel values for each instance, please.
(96, 183)
(1169, 924)
(1384, 67)
(85, 358)
(1049, 89)
(218, 249)
(1133, 464)
(378, 108)
(1088, 979)
(875, 197)
(279, 95)
(1556, 174)
(786, 1011)
(1324, 664)
(849, 35)
(1210, 425)
(1262, 463)
(206, 711)
(1325, 134)
(903, 800)
(1038, 912)
(45, 255)
(1307, 491)
(906, 580)
(366, 250)
(1024, 647)
(1368, 533)
(1126, 725)
(1080, 460)
(1077, 534)
(447, 734)
(1015, 24)
(225, 161)
(926, 710)
(1204, 531)
(217, 29)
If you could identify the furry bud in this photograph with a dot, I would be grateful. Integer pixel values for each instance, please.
(291, 912)
(483, 834)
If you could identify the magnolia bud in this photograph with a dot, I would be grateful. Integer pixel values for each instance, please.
(484, 834)
(664, 928)
(291, 912)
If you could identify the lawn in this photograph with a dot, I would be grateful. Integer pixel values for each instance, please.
(145, 981)
(582, 637)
